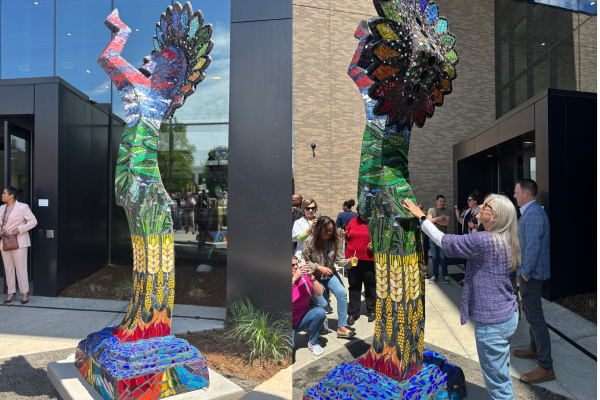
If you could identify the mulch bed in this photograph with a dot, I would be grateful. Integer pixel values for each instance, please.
(584, 305)
(207, 289)
(232, 360)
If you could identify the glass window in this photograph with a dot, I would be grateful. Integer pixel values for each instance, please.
(532, 170)
(587, 8)
(502, 102)
(563, 19)
(502, 48)
(537, 30)
(538, 76)
(518, 90)
(81, 36)
(210, 103)
(518, 36)
(27, 39)
(498, 6)
(588, 53)
(198, 185)
(564, 61)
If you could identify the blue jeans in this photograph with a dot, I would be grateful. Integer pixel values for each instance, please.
(335, 285)
(493, 348)
(437, 254)
(313, 319)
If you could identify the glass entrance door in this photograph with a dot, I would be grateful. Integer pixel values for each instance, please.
(17, 168)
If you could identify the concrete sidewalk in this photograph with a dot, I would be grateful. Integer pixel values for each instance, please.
(54, 323)
(576, 375)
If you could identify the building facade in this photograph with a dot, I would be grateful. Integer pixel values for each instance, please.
(543, 44)
(64, 38)
(329, 112)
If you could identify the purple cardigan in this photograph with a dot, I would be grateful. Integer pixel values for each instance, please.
(488, 293)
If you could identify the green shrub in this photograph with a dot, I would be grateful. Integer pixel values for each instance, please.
(123, 290)
(267, 336)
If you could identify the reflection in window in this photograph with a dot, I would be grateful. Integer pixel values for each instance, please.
(537, 31)
(518, 36)
(563, 19)
(502, 48)
(518, 88)
(198, 185)
(587, 8)
(81, 36)
(563, 71)
(538, 76)
(210, 103)
(27, 39)
(588, 53)
(532, 171)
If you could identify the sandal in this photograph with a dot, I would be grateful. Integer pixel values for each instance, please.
(461, 282)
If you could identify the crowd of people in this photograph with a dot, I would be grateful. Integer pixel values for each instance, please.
(506, 248)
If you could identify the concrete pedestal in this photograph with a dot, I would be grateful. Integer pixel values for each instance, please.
(71, 385)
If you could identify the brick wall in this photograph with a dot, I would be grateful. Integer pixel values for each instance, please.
(328, 108)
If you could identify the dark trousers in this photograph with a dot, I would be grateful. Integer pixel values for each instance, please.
(363, 273)
(531, 292)
(438, 256)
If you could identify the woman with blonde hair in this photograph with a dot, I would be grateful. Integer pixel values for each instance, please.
(488, 298)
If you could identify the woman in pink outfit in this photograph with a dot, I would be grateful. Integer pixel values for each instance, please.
(16, 219)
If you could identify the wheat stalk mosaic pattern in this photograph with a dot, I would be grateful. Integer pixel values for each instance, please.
(139, 358)
(404, 66)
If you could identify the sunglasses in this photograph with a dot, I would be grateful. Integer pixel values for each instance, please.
(294, 265)
(328, 230)
(488, 206)
(470, 200)
(311, 208)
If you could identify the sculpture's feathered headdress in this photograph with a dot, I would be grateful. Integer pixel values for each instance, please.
(181, 27)
(412, 59)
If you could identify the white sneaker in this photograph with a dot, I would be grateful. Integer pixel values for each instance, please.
(316, 349)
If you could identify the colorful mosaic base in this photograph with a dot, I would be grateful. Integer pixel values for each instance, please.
(146, 369)
(138, 358)
(437, 380)
(402, 66)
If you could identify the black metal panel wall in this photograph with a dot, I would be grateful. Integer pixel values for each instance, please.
(260, 159)
(571, 174)
(17, 99)
(83, 145)
(45, 186)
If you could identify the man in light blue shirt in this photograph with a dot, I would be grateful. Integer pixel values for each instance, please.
(534, 239)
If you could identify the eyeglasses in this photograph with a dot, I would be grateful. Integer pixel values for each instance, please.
(488, 206)
(310, 208)
(328, 230)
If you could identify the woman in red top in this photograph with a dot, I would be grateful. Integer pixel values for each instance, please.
(359, 246)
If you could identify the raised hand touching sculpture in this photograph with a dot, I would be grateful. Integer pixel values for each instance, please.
(403, 67)
(140, 355)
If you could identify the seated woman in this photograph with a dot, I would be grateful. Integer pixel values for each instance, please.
(302, 317)
(323, 251)
(492, 256)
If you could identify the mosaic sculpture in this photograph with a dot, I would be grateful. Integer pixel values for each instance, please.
(139, 358)
(403, 67)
